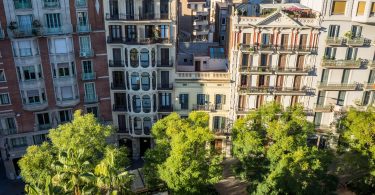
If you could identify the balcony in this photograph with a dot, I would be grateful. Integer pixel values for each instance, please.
(31, 84)
(294, 71)
(323, 108)
(165, 86)
(204, 107)
(200, 22)
(44, 127)
(67, 102)
(370, 87)
(22, 4)
(264, 70)
(340, 86)
(88, 76)
(86, 53)
(118, 85)
(83, 28)
(91, 99)
(266, 47)
(248, 48)
(201, 12)
(165, 109)
(337, 41)
(51, 4)
(119, 108)
(24, 33)
(116, 63)
(202, 76)
(81, 3)
(326, 63)
(256, 90)
(293, 91)
(119, 16)
(8, 131)
(200, 31)
(359, 41)
(35, 106)
(165, 63)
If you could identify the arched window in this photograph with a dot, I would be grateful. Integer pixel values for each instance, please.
(134, 60)
(146, 104)
(145, 59)
(145, 81)
(138, 126)
(154, 80)
(135, 82)
(153, 57)
(136, 103)
(147, 125)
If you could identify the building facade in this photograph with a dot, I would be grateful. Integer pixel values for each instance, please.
(53, 62)
(141, 39)
(272, 53)
(346, 72)
(202, 83)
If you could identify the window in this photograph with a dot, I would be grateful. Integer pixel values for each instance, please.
(338, 7)
(39, 139)
(219, 101)
(18, 142)
(135, 81)
(67, 93)
(202, 99)
(217, 53)
(165, 100)
(134, 60)
(266, 39)
(33, 96)
(219, 122)
(356, 31)
(149, 31)
(366, 98)
(145, 58)
(115, 31)
(345, 76)
(361, 8)
(184, 101)
(341, 98)
(53, 22)
(145, 81)
(317, 118)
(325, 74)
(164, 54)
(245, 59)
(4, 99)
(371, 78)
(60, 46)
(29, 73)
(93, 110)
(82, 18)
(87, 66)
(164, 32)
(137, 103)
(22, 4)
(351, 53)
(222, 21)
(90, 91)
(63, 69)
(43, 120)
(84, 44)
(65, 116)
(146, 103)
(372, 11)
(25, 23)
(333, 30)
(2, 75)
(131, 33)
(7, 126)
(24, 48)
(330, 53)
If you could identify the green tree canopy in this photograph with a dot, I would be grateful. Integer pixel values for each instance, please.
(271, 144)
(180, 158)
(76, 161)
(356, 164)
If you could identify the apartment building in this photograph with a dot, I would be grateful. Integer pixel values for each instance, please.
(202, 83)
(345, 60)
(141, 39)
(53, 61)
(194, 22)
(272, 52)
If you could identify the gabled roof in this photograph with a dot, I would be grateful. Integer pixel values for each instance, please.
(279, 18)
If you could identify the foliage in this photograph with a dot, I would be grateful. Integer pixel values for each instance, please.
(180, 158)
(271, 144)
(356, 165)
(77, 161)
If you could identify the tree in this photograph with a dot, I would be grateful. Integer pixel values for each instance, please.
(356, 164)
(180, 158)
(76, 161)
(271, 145)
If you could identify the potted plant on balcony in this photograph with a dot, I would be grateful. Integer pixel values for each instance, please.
(348, 35)
(36, 27)
(13, 26)
(156, 35)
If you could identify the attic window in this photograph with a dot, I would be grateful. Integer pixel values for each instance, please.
(185, 60)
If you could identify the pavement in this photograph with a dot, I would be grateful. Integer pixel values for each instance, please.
(230, 185)
(9, 187)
